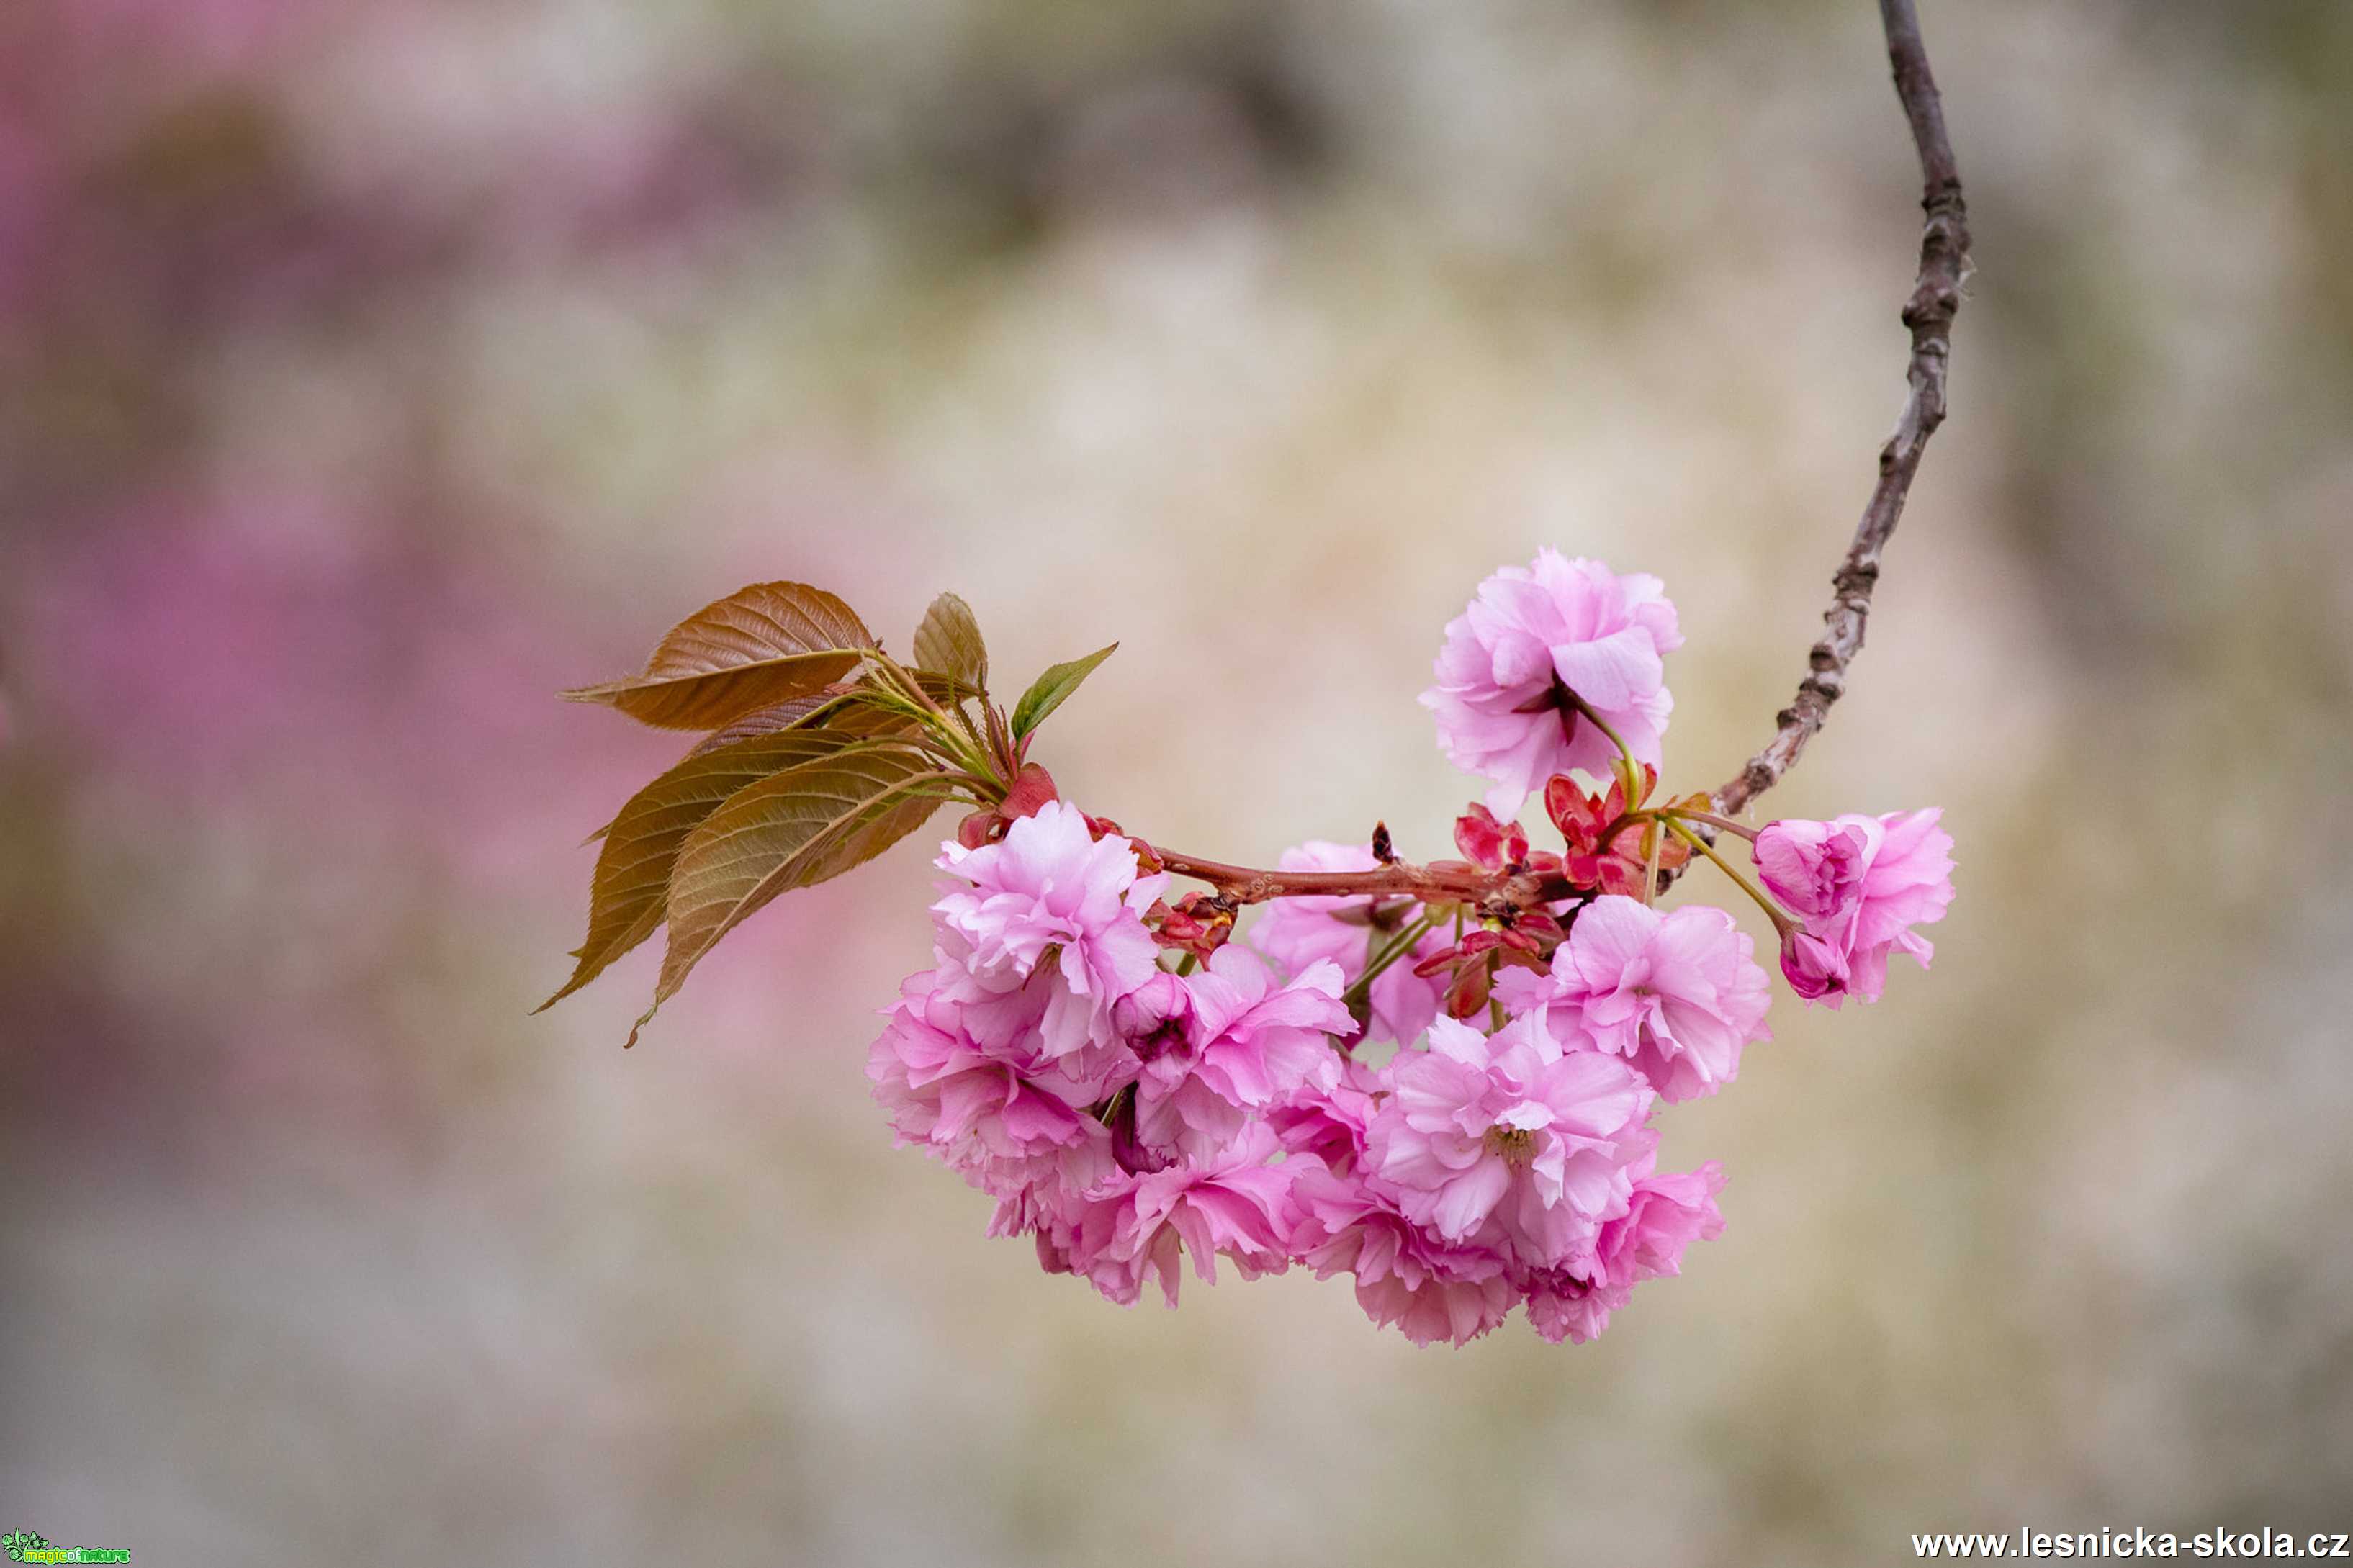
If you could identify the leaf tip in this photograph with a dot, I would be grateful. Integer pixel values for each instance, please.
(567, 988)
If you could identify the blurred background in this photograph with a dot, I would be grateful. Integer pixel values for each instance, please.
(370, 370)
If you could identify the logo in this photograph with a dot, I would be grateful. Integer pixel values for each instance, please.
(31, 1546)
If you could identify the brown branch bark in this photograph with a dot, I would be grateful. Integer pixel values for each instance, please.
(1935, 299)
(1449, 882)
(1928, 313)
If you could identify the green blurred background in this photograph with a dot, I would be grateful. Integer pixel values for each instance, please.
(368, 371)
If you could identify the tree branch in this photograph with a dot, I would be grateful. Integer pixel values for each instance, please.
(1935, 299)
(1447, 882)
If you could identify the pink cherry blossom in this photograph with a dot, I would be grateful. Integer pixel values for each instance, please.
(1858, 885)
(1430, 1290)
(1049, 935)
(1677, 993)
(1226, 1043)
(1329, 1121)
(1815, 968)
(1005, 1123)
(1532, 635)
(1510, 1130)
(1253, 1040)
(1665, 1216)
(1173, 1110)
(1562, 1307)
(1236, 1206)
(1298, 932)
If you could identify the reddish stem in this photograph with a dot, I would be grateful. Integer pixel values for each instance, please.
(1427, 884)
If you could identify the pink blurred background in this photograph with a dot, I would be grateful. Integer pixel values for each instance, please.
(369, 371)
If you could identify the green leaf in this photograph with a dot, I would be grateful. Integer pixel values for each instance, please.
(757, 646)
(795, 829)
(948, 643)
(629, 895)
(1046, 693)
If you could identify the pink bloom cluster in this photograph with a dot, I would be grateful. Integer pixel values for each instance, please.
(1494, 1169)
(1131, 1116)
(1116, 1110)
(1517, 1165)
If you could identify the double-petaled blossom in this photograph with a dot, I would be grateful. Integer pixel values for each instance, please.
(1666, 1215)
(1297, 933)
(1007, 1120)
(1226, 1043)
(1676, 992)
(1327, 1120)
(1254, 1041)
(1510, 1136)
(1235, 1205)
(1858, 885)
(1432, 1290)
(1044, 933)
(1534, 638)
(1663, 1216)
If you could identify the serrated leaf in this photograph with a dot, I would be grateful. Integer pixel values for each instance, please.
(1046, 693)
(759, 646)
(795, 829)
(948, 643)
(629, 895)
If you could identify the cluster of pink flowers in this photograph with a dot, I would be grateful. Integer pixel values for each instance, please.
(1131, 1105)
(1114, 1108)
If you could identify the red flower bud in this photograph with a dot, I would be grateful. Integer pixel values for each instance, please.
(1469, 992)
(1488, 843)
(1033, 786)
(1582, 818)
(1198, 923)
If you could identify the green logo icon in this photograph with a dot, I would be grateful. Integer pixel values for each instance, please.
(31, 1546)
